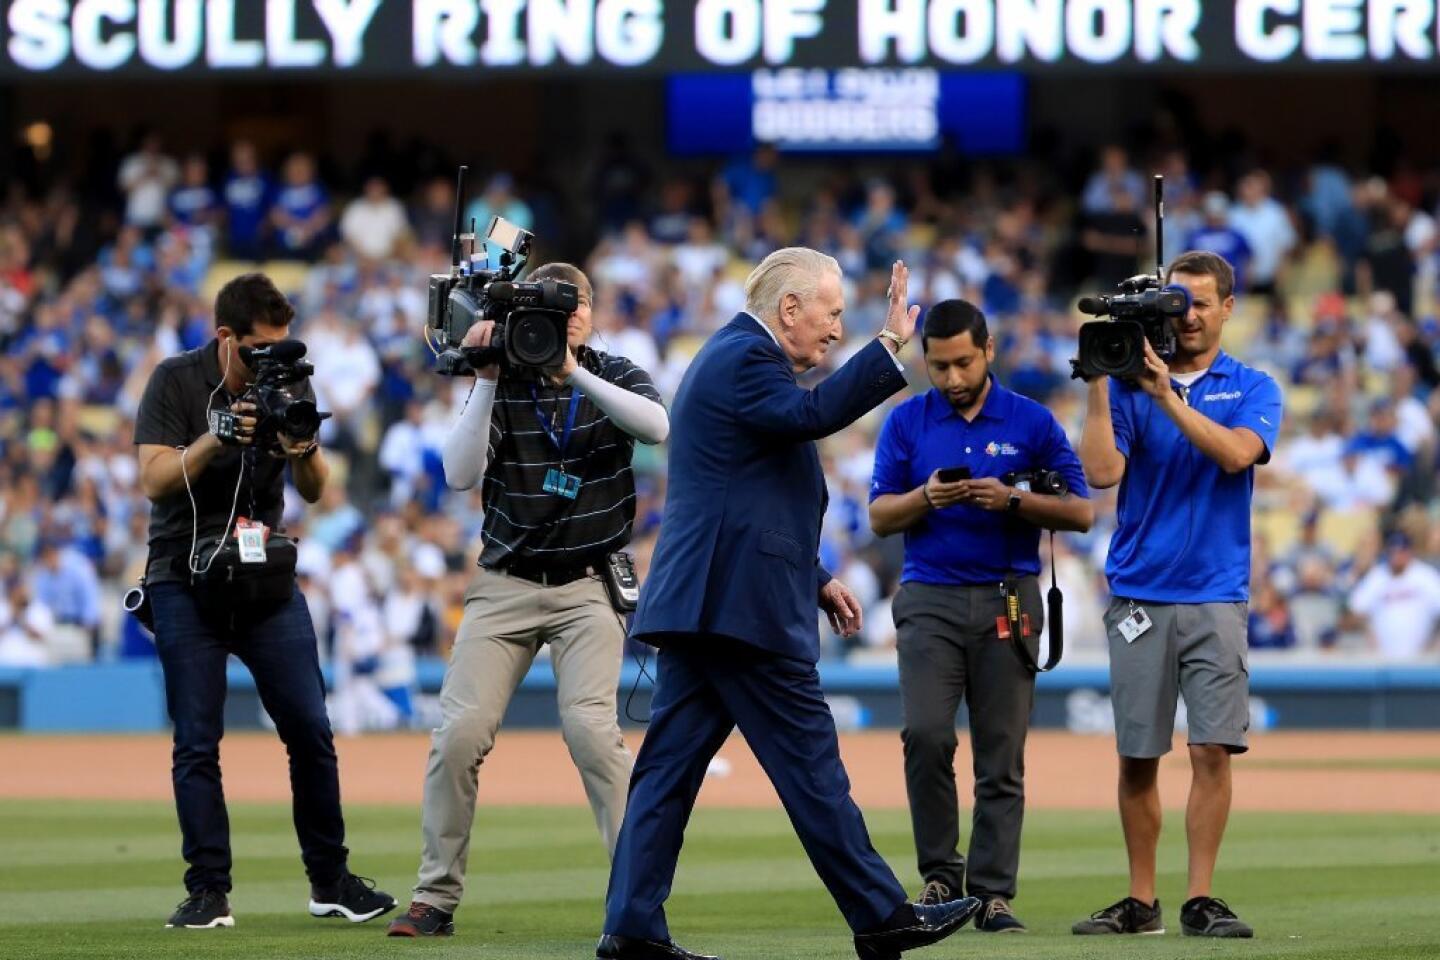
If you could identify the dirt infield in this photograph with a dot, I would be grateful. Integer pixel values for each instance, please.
(1318, 772)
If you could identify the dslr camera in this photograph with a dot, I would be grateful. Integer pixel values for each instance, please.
(277, 393)
(1049, 482)
(531, 319)
(1144, 309)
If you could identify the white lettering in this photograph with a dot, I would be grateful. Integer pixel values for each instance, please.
(1402, 22)
(347, 23)
(1166, 26)
(38, 38)
(1102, 42)
(629, 32)
(1254, 40)
(787, 21)
(562, 25)
(221, 48)
(951, 42)
(882, 21)
(157, 47)
(443, 28)
(1032, 24)
(727, 32)
(1332, 30)
(93, 49)
(282, 47)
(503, 46)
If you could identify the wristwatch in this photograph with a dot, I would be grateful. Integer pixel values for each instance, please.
(895, 338)
(1013, 504)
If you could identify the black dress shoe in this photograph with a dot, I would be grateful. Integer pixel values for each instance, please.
(614, 947)
(932, 924)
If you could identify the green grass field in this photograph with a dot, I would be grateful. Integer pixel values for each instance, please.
(98, 879)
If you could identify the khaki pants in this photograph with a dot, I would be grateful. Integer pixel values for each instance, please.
(506, 621)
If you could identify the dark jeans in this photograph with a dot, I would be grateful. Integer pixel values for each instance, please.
(277, 643)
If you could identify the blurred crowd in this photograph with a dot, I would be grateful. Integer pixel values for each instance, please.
(1337, 269)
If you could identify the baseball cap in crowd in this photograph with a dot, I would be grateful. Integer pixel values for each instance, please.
(1398, 540)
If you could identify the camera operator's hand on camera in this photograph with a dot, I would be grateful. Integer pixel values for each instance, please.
(294, 449)
(842, 607)
(245, 424)
(940, 494)
(1156, 378)
(987, 493)
(479, 336)
(569, 366)
(900, 319)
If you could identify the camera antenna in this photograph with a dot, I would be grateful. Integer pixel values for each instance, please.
(1160, 229)
(455, 242)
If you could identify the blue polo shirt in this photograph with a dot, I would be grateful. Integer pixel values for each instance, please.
(963, 544)
(1182, 530)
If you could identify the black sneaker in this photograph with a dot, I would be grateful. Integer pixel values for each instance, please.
(205, 910)
(1127, 916)
(354, 898)
(422, 920)
(995, 917)
(1210, 917)
(935, 892)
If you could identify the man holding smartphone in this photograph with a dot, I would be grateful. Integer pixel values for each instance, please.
(969, 536)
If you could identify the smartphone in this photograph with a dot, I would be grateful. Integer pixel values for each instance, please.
(954, 474)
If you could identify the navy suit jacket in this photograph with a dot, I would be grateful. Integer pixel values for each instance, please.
(740, 536)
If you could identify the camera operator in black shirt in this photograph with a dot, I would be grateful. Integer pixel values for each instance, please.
(553, 451)
(221, 581)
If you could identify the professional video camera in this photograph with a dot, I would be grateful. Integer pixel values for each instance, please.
(279, 406)
(1143, 310)
(531, 319)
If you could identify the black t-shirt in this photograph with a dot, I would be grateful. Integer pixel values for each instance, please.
(174, 412)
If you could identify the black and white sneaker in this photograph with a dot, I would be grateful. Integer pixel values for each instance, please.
(1127, 916)
(354, 898)
(205, 910)
(1211, 917)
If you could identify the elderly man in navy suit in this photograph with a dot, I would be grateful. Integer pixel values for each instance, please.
(731, 602)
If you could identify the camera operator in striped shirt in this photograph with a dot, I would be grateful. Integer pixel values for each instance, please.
(552, 451)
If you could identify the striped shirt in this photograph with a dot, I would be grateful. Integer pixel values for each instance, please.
(524, 521)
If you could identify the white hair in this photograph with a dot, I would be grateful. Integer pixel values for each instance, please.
(794, 270)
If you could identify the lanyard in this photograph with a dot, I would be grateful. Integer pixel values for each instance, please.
(563, 440)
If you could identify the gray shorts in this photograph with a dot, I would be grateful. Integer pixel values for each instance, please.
(1194, 650)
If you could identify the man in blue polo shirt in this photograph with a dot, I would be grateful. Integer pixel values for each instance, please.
(966, 541)
(1182, 441)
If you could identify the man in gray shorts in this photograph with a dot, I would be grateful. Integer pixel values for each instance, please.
(1182, 440)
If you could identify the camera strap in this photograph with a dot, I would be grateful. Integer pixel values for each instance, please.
(1054, 621)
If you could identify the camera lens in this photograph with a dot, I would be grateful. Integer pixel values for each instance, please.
(537, 339)
(133, 599)
(1114, 353)
(301, 420)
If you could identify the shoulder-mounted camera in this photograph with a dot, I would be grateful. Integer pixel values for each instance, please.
(531, 319)
(1143, 309)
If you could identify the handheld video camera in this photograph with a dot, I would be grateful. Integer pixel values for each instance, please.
(1143, 310)
(280, 405)
(531, 319)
